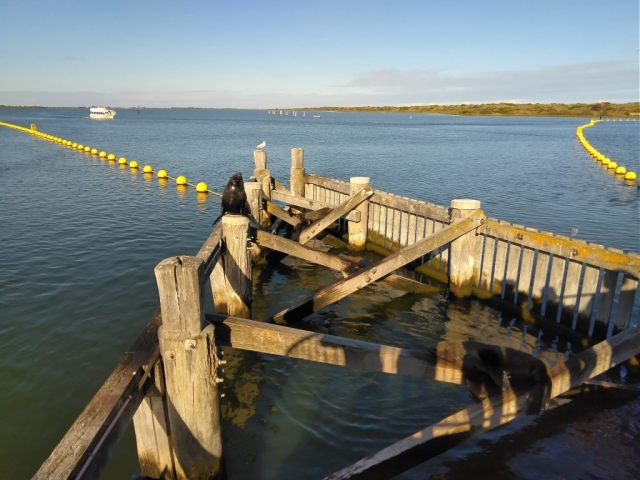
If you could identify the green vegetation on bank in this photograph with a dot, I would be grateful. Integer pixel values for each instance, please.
(631, 109)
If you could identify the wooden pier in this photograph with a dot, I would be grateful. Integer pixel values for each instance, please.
(167, 383)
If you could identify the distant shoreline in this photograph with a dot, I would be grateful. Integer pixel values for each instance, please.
(630, 109)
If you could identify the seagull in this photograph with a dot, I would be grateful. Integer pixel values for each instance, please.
(262, 145)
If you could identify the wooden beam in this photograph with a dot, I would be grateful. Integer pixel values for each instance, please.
(282, 214)
(98, 422)
(302, 202)
(210, 250)
(370, 274)
(316, 347)
(493, 412)
(335, 262)
(341, 210)
(290, 247)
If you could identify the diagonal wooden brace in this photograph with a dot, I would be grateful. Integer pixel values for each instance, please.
(341, 210)
(381, 269)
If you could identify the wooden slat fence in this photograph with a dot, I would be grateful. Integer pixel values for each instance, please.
(587, 287)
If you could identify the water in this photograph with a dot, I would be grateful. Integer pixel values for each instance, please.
(81, 237)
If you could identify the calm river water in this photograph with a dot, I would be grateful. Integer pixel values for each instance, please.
(81, 237)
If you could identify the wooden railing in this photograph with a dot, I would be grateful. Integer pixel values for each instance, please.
(586, 287)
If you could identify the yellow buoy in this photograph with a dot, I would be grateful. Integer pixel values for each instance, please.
(122, 160)
(147, 169)
(163, 174)
(94, 151)
(621, 171)
(201, 187)
(87, 149)
(181, 180)
(103, 154)
(133, 164)
(111, 156)
(612, 165)
(630, 176)
(605, 160)
(80, 146)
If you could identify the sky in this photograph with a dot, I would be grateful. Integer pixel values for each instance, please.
(308, 53)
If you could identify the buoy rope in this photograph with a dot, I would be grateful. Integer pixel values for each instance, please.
(629, 176)
(112, 157)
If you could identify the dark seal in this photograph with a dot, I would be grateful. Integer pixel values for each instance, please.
(489, 369)
(234, 198)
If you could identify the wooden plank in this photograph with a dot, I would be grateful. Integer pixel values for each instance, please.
(554, 290)
(625, 302)
(511, 273)
(283, 214)
(317, 347)
(579, 251)
(539, 281)
(302, 202)
(588, 293)
(491, 413)
(435, 212)
(607, 293)
(525, 277)
(353, 201)
(487, 264)
(499, 264)
(370, 274)
(309, 254)
(152, 439)
(210, 250)
(570, 294)
(327, 183)
(78, 444)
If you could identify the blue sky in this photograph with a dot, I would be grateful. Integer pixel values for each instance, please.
(267, 54)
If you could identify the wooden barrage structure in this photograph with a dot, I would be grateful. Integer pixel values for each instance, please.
(167, 383)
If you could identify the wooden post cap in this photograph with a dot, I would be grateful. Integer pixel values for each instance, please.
(360, 180)
(465, 204)
(229, 219)
(252, 185)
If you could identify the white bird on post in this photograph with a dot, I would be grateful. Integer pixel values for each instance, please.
(262, 145)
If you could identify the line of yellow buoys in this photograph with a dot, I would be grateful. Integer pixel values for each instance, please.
(607, 163)
(181, 180)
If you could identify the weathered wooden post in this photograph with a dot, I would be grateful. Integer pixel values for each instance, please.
(263, 175)
(462, 261)
(188, 351)
(254, 199)
(358, 230)
(296, 180)
(231, 277)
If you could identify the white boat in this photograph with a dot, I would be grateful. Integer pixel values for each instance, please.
(316, 116)
(101, 112)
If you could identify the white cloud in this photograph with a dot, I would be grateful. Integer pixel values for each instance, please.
(613, 81)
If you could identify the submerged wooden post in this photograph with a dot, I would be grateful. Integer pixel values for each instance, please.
(358, 230)
(188, 352)
(297, 172)
(461, 255)
(231, 277)
(263, 175)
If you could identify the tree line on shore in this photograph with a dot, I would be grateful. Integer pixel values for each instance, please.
(631, 109)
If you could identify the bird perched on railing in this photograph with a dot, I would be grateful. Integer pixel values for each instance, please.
(234, 198)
